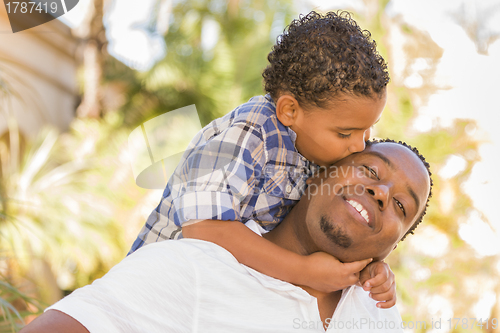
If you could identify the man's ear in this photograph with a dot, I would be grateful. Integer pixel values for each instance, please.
(287, 109)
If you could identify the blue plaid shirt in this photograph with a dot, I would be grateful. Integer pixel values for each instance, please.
(239, 167)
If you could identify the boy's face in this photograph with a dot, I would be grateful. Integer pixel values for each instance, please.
(326, 135)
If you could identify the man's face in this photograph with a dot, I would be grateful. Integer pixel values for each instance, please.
(366, 202)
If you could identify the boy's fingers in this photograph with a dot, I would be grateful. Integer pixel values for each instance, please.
(378, 280)
(356, 266)
(387, 304)
(383, 288)
(388, 295)
(364, 276)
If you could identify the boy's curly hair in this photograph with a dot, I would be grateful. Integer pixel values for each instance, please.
(427, 166)
(320, 56)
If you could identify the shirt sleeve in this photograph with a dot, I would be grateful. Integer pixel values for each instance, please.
(218, 176)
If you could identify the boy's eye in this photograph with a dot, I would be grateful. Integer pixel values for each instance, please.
(371, 171)
(344, 136)
(400, 205)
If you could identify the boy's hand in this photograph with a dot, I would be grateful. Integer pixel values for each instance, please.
(325, 273)
(379, 280)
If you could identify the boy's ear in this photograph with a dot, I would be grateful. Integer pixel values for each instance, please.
(287, 109)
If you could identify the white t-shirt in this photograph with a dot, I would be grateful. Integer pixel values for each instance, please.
(208, 290)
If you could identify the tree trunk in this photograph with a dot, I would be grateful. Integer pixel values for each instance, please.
(93, 36)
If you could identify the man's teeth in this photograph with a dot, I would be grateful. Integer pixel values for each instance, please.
(361, 210)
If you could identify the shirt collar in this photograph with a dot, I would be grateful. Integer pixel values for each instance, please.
(293, 136)
(310, 166)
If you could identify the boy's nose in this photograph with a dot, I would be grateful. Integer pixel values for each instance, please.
(358, 145)
(368, 132)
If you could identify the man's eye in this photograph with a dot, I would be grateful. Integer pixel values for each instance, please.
(371, 171)
(400, 205)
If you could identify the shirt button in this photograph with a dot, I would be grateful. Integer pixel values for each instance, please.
(288, 189)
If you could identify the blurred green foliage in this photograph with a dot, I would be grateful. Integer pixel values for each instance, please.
(214, 58)
(64, 208)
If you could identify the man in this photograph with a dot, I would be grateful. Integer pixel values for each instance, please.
(359, 208)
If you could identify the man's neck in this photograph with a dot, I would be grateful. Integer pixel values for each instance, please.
(327, 303)
(292, 235)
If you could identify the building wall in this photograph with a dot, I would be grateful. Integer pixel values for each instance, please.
(39, 68)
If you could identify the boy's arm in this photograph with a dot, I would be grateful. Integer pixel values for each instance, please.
(320, 270)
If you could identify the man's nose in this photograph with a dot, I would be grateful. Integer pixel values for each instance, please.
(381, 193)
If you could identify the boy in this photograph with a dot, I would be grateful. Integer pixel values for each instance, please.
(326, 87)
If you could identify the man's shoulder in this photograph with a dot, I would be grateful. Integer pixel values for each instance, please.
(187, 248)
(206, 258)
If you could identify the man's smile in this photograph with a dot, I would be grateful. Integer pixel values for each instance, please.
(361, 210)
(358, 210)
